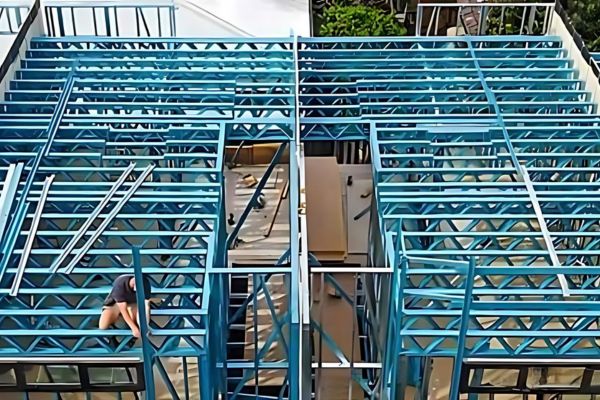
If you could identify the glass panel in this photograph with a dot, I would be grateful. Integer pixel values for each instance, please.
(556, 377)
(7, 376)
(595, 379)
(500, 377)
(112, 375)
(54, 374)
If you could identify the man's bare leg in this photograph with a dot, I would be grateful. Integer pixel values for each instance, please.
(109, 316)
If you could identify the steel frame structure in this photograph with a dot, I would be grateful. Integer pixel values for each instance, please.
(99, 158)
(483, 153)
(484, 234)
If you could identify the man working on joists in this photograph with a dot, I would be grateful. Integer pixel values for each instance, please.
(122, 302)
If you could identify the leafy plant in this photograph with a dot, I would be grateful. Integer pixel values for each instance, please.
(585, 17)
(346, 19)
(510, 20)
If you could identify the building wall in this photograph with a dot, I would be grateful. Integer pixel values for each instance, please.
(558, 28)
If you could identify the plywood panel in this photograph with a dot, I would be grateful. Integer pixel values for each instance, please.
(358, 230)
(324, 211)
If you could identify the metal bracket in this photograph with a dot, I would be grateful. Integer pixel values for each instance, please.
(9, 189)
(113, 213)
(31, 236)
(86, 225)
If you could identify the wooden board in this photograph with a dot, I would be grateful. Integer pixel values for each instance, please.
(324, 210)
(256, 154)
(358, 230)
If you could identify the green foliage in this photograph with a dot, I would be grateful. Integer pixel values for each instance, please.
(585, 17)
(511, 21)
(344, 19)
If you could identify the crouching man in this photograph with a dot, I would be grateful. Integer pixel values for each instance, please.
(122, 302)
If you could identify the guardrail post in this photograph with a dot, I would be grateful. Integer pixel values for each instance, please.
(143, 325)
(464, 326)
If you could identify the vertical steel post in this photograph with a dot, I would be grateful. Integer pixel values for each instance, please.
(186, 384)
(295, 322)
(205, 378)
(141, 306)
(464, 326)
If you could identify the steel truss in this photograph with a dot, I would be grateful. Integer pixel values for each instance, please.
(484, 239)
(109, 145)
(483, 154)
(490, 189)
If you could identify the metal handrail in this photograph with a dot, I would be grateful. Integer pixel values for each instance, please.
(104, 17)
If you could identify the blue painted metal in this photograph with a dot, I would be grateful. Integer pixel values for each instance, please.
(464, 327)
(50, 132)
(88, 223)
(108, 219)
(454, 125)
(56, 314)
(147, 351)
(473, 159)
(31, 236)
(183, 132)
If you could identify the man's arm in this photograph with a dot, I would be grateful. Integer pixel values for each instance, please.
(147, 304)
(128, 320)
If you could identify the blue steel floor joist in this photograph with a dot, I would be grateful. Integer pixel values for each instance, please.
(485, 155)
(484, 151)
(103, 117)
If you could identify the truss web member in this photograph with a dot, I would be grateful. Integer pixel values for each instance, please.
(122, 302)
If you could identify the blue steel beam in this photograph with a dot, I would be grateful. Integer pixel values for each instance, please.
(31, 236)
(147, 352)
(451, 179)
(50, 133)
(105, 18)
(448, 118)
(114, 118)
(88, 223)
(170, 218)
(108, 219)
